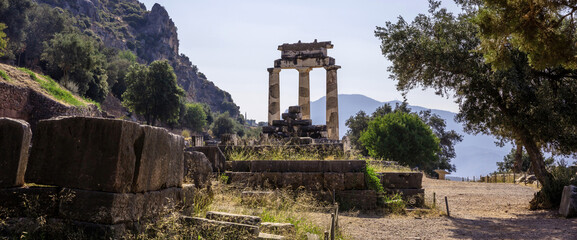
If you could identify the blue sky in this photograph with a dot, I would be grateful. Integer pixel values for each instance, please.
(234, 42)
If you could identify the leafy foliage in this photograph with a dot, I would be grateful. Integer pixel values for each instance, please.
(4, 75)
(404, 138)
(372, 180)
(223, 124)
(117, 71)
(14, 14)
(3, 39)
(545, 30)
(521, 104)
(194, 117)
(76, 58)
(447, 139)
(153, 92)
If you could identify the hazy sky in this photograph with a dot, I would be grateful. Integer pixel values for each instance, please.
(234, 42)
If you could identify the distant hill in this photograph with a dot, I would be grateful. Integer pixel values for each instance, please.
(476, 154)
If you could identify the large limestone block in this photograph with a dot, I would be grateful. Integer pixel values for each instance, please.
(401, 180)
(568, 206)
(161, 163)
(105, 155)
(85, 153)
(197, 169)
(313, 181)
(15, 136)
(235, 218)
(213, 229)
(355, 181)
(113, 208)
(334, 181)
(357, 199)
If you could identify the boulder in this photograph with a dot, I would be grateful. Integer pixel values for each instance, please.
(568, 206)
(15, 137)
(531, 179)
(197, 169)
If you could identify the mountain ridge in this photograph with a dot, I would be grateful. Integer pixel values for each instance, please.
(151, 35)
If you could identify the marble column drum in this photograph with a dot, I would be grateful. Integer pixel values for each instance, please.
(332, 103)
(304, 92)
(273, 95)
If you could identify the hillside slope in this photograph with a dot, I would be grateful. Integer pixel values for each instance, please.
(151, 35)
(476, 154)
(32, 97)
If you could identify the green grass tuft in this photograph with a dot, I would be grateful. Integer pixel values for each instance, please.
(372, 180)
(4, 75)
(55, 89)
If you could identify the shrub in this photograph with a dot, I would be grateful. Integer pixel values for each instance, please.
(372, 180)
(551, 193)
(4, 75)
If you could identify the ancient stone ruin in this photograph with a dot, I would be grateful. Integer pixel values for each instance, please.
(296, 129)
(104, 176)
(304, 57)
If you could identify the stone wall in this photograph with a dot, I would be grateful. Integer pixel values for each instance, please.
(343, 181)
(340, 180)
(105, 175)
(31, 106)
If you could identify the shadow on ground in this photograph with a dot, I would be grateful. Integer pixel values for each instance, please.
(536, 225)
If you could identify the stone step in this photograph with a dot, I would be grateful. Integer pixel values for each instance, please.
(225, 230)
(234, 218)
(277, 228)
(268, 236)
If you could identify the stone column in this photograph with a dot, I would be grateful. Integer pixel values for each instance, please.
(304, 92)
(332, 103)
(273, 95)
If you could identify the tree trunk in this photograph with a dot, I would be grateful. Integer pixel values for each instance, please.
(537, 161)
(518, 163)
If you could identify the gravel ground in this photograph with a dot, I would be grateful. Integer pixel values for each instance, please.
(478, 211)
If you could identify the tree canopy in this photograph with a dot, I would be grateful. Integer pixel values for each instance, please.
(447, 139)
(3, 39)
(544, 30)
(537, 109)
(223, 124)
(194, 117)
(75, 58)
(402, 137)
(153, 92)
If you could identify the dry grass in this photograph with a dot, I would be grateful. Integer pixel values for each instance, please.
(282, 206)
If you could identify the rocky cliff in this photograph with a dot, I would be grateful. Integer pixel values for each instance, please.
(151, 35)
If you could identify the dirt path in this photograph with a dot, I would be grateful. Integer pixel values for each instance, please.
(478, 211)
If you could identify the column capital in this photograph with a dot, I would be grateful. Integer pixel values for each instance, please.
(332, 67)
(304, 69)
(273, 70)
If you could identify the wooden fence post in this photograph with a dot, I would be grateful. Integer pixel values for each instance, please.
(447, 204)
(333, 226)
